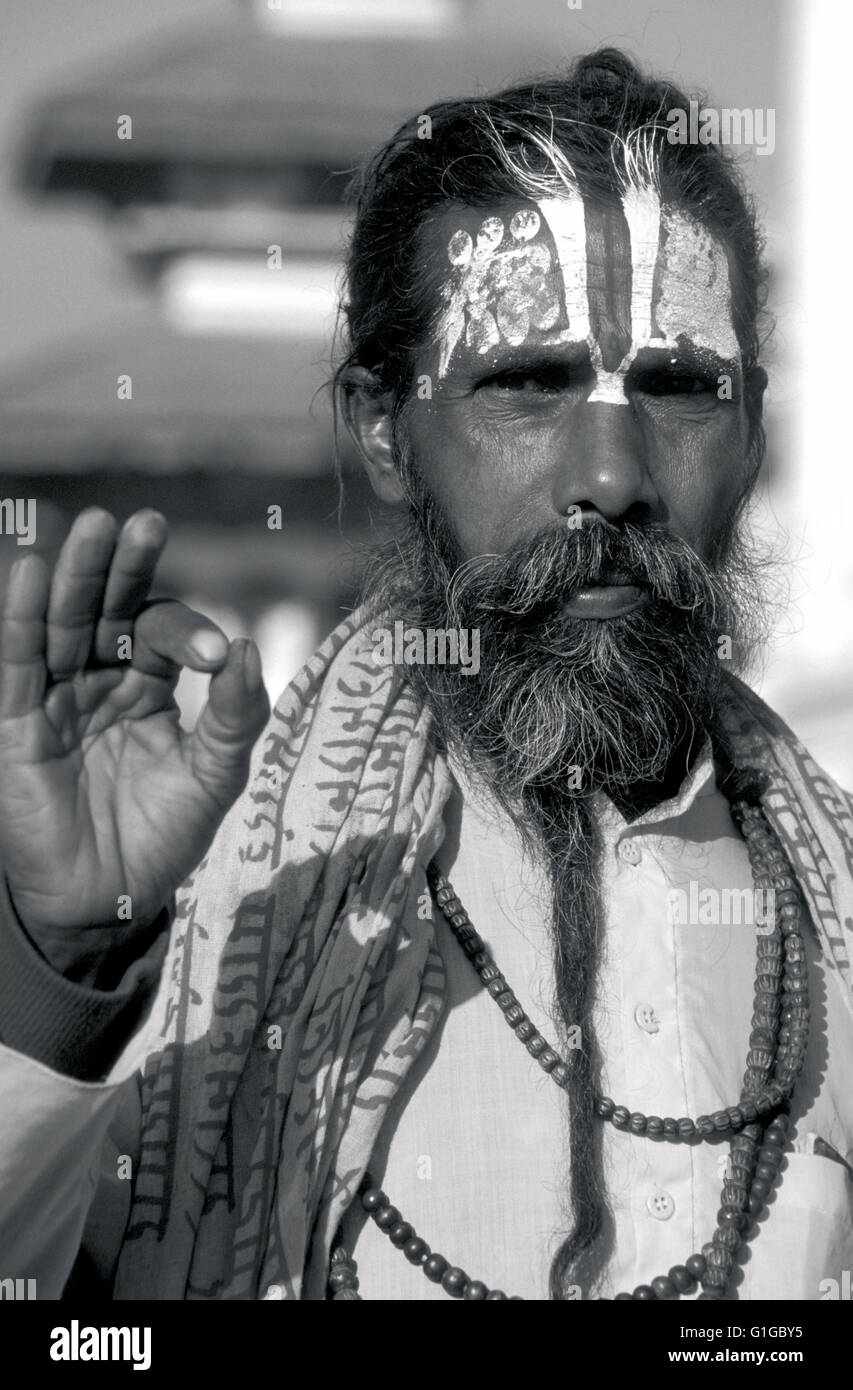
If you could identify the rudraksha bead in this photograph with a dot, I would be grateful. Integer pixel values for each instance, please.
(374, 1199)
(387, 1218)
(401, 1233)
(435, 1267)
(727, 1238)
(454, 1281)
(416, 1250)
(740, 1173)
(475, 1289)
(759, 1057)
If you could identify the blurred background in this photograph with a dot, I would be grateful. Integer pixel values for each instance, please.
(171, 229)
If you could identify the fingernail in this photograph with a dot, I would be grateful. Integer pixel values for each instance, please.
(252, 673)
(209, 646)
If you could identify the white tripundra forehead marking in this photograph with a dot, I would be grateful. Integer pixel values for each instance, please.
(566, 219)
(695, 295)
(505, 288)
(525, 224)
(643, 215)
(460, 248)
(500, 292)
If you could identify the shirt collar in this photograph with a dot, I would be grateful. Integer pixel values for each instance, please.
(700, 781)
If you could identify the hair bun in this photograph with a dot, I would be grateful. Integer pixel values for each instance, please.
(605, 69)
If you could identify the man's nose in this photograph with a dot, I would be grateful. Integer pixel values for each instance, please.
(603, 464)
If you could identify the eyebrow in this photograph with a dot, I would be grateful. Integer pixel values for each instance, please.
(685, 354)
(575, 356)
(525, 358)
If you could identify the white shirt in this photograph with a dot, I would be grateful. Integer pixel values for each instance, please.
(477, 1145)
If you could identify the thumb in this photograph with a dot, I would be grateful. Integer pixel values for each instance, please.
(237, 709)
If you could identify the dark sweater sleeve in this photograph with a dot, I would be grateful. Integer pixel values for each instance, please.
(67, 1026)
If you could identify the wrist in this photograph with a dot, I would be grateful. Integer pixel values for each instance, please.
(95, 956)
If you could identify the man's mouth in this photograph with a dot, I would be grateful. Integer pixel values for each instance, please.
(611, 596)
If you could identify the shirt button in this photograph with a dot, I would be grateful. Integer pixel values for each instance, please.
(661, 1206)
(646, 1018)
(630, 851)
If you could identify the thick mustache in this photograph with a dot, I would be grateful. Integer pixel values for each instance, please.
(536, 579)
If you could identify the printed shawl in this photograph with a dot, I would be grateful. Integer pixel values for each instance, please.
(294, 998)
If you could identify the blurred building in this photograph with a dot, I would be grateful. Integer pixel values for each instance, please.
(218, 160)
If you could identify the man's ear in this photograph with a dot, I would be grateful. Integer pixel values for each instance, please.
(367, 412)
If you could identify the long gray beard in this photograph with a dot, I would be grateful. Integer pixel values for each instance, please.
(626, 703)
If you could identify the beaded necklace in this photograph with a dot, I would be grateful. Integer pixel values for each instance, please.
(758, 1122)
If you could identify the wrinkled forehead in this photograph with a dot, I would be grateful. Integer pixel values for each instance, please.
(617, 276)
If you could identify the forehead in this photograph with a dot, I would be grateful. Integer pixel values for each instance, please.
(618, 276)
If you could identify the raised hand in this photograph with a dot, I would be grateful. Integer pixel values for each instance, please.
(103, 797)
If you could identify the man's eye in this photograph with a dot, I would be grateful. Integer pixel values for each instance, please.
(544, 379)
(674, 384)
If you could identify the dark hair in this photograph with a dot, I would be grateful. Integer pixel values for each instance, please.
(602, 100)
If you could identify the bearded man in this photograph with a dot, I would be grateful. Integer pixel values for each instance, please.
(552, 360)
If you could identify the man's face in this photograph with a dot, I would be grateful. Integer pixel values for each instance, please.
(574, 478)
(585, 357)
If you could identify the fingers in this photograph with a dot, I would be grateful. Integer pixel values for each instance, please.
(77, 591)
(23, 636)
(96, 597)
(236, 711)
(131, 574)
(168, 635)
(101, 579)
